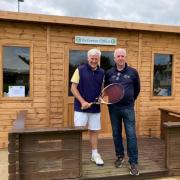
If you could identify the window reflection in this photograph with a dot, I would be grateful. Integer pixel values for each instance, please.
(76, 58)
(162, 83)
(16, 71)
(107, 60)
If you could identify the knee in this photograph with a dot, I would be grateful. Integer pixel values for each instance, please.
(131, 136)
(93, 131)
(116, 133)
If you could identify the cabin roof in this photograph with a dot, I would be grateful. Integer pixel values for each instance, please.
(50, 19)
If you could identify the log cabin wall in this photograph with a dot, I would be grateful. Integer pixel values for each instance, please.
(49, 104)
(149, 116)
(35, 36)
(62, 40)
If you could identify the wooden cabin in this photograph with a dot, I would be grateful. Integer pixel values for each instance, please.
(38, 54)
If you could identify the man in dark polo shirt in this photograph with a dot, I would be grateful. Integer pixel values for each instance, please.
(86, 86)
(123, 111)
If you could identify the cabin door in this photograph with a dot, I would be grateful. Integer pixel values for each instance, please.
(74, 57)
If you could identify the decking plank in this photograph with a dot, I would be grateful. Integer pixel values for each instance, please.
(151, 160)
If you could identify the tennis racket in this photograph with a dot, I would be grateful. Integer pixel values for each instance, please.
(111, 94)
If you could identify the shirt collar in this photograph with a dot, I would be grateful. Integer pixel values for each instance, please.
(124, 69)
(97, 69)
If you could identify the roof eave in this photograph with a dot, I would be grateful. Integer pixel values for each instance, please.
(49, 19)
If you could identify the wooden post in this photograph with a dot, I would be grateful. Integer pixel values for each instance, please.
(172, 144)
(168, 115)
(19, 123)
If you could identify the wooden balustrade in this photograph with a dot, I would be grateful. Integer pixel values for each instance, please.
(44, 154)
(168, 115)
(170, 132)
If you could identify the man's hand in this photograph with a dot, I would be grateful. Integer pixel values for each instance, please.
(85, 105)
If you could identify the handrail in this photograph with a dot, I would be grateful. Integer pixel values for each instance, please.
(170, 110)
(168, 115)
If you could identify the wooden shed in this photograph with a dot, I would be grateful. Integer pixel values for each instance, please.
(38, 54)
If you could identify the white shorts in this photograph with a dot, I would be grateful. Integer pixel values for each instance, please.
(91, 119)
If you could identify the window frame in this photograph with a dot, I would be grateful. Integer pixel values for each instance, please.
(152, 74)
(17, 44)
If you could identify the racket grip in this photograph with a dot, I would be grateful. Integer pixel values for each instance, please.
(87, 108)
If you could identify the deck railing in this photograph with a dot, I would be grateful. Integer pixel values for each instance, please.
(48, 153)
(168, 115)
(170, 132)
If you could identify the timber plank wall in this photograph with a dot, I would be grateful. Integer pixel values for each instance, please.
(50, 44)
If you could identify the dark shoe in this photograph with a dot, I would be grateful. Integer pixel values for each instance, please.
(119, 161)
(134, 171)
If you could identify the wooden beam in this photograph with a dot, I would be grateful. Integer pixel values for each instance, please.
(28, 17)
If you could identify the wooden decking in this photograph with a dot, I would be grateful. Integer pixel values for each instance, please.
(151, 161)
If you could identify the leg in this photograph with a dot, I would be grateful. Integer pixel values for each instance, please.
(116, 123)
(94, 126)
(93, 139)
(129, 123)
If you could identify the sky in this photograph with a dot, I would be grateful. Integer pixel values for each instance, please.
(143, 11)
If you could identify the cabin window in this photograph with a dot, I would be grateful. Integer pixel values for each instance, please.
(107, 60)
(162, 79)
(16, 71)
(78, 57)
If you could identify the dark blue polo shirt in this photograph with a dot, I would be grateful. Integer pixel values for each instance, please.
(89, 87)
(129, 79)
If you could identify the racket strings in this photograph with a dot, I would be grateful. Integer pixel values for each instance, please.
(112, 94)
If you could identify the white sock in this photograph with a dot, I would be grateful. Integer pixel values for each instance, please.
(94, 151)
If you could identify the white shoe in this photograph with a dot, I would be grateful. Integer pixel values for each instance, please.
(97, 159)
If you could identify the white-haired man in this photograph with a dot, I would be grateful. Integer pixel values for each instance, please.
(86, 86)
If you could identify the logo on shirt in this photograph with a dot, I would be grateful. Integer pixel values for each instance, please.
(118, 75)
(126, 76)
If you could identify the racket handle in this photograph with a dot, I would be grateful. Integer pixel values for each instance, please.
(95, 103)
(90, 105)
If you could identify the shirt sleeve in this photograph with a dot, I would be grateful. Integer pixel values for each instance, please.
(75, 78)
(137, 86)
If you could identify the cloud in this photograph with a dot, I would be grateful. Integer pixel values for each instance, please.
(147, 11)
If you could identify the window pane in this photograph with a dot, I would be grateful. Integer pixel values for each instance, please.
(16, 71)
(76, 58)
(107, 60)
(162, 82)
